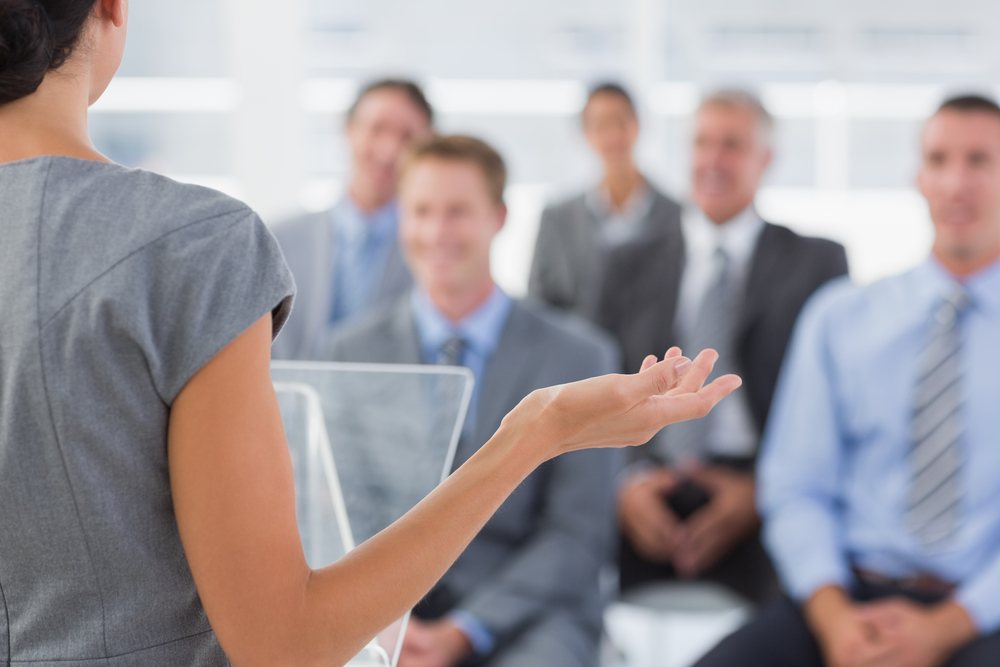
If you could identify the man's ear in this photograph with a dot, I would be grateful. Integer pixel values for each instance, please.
(501, 215)
(918, 180)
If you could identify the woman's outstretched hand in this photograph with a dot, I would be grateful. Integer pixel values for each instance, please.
(620, 410)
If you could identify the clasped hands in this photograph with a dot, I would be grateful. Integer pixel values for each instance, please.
(893, 632)
(709, 534)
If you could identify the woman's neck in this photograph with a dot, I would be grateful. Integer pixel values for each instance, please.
(621, 183)
(50, 121)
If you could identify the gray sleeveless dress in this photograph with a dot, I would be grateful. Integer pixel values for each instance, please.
(116, 286)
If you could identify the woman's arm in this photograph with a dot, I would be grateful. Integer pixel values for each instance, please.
(234, 498)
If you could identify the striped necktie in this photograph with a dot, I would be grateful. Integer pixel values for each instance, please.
(452, 352)
(713, 328)
(936, 458)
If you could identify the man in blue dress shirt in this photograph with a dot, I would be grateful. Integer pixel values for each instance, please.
(347, 259)
(880, 479)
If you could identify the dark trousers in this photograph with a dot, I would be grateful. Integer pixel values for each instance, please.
(779, 637)
(746, 570)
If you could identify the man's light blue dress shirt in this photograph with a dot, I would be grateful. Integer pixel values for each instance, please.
(481, 330)
(834, 474)
(362, 243)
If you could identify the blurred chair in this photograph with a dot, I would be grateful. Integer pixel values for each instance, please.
(670, 624)
(367, 442)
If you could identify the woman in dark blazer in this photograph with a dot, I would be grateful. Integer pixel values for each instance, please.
(575, 236)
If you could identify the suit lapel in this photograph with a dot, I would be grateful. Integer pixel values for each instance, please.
(664, 292)
(401, 345)
(396, 276)
(768, 265)
(510, 370)
(581, 238)
(319, 283)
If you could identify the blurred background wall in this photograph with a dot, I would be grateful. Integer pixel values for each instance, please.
(247, 96)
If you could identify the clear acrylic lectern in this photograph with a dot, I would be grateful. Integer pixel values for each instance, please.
(368, 442)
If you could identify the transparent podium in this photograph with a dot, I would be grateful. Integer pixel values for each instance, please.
(368, 442)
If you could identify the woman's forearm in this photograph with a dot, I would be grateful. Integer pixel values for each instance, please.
(362, 593)
(234, 500)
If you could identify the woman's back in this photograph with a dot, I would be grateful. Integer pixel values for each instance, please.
(116, 286)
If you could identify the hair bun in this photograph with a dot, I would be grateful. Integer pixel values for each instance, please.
(26, 48)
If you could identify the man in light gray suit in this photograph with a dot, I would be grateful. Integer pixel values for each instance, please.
(575, 236)
(525, 592)
(347, 259)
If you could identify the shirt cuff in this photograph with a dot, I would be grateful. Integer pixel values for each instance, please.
(479, 635)
(805, 560)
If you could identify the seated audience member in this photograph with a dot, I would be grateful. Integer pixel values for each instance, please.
(347, 259)
(574, 236)
(525, 591)
(879, 477)
(727, 280)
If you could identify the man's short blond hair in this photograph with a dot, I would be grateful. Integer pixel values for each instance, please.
(459, 148)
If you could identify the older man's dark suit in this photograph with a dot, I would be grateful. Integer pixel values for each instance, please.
(638, 303)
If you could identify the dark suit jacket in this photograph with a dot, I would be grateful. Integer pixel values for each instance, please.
(541, 552)
(638, 302)
(639, 296)
(567, 268)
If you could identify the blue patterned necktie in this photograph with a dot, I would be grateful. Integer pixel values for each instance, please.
(452, 352)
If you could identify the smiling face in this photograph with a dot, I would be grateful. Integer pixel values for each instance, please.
(448, 219)
(960, 178)
(610, 128)
(385, 123)
(729, 157)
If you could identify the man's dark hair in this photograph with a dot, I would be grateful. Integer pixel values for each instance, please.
(970, 103)
(408, 88)
(611, 88)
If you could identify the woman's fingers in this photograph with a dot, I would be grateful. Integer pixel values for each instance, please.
(648, 362)
(659, 411)
(700, 370)
(655, 379)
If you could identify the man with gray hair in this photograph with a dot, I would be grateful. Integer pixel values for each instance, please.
(723, 279)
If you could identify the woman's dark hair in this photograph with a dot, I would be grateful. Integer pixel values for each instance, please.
(611, 88)
(35, 37)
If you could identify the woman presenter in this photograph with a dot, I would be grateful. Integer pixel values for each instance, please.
(146, 499)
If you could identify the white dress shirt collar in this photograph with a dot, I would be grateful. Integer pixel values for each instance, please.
(737, 237)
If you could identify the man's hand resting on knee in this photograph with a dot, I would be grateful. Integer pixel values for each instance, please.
(644, 516)
(433, 644)
(886, 633)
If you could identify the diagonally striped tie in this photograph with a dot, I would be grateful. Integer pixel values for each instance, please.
(712, 328)
(452, 352)
(936, 457)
